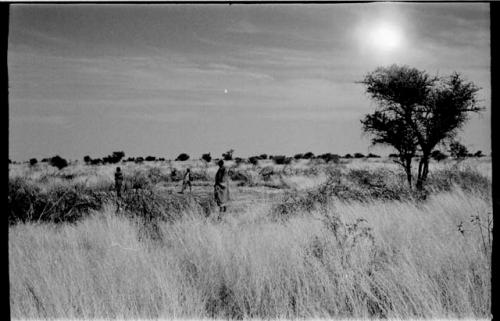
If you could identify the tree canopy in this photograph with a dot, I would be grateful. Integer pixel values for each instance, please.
(416, 111)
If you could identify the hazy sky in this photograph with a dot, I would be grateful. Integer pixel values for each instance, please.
(280, 79)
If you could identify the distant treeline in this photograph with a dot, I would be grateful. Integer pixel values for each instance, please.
(457, 151)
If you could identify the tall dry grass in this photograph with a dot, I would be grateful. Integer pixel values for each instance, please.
(397, 259)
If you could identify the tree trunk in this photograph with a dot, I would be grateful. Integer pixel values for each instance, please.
(423, 170)
(408, 171)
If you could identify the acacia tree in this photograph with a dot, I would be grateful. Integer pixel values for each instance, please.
(416, 110)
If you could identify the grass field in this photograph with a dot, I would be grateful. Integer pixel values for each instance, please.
(346, 240)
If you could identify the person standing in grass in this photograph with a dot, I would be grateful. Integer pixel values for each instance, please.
(186, 181)
(221, 187)
(118, 182)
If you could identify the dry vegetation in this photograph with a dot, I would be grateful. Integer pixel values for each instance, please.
(307, 239)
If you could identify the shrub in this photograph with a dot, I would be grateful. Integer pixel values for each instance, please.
(438, 155)
(87, 159)
(347, 156)
(457, 150)
(393, 155)
(263, 156)
(254, 160)
(478, 154)
(161, 159)
(131, 159)
(45, 160)
(61, 203)
(358, 155)
(206, 157)
(182, 157)
(150, 158)
(298, 156)
(58, 161)
(114, 158)
(33, 161)
(370, 155)
(238, 160)
(95, 161)
(328, 157)
(308, 155)
(139, 160)
(282, 160)
(227, 156)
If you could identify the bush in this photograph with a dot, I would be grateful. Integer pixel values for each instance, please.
(457, 150)
(114, 158)
(308, 155)
(150, 158)
(393, 155)
(87, 159)
(131, 159)
(58, 161)
(206, 157)
(227, 156)
(61, 203)
(298, 156)
(328, 157)
(478, 154)
(182, 157)
(33, 161)
(139, 160)
(438, 155)
(95, 161)
(263, 156)
(254, 160)
(238, 160)
(161, 159)
(347, 156)
(373, 156)
(358, 155)
(282, 160)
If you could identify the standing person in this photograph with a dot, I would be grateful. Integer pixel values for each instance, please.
(221, 187)
(118, 182)
(186, 181)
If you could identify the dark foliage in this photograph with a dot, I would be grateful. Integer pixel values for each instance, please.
(478, 154)
(182, 157)
(308, 155)
(254, 160)
(329, 157)
(227, 156)
(358, 155)
(437, 155)
(33, 161)
(457, 150)
(206, 157)
(370, 155)
(347, 156)
(96, 161)
(150, 158)
(87, 159)
(58, 161)
(282, 160)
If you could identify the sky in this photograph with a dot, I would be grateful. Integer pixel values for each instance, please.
(160, 80)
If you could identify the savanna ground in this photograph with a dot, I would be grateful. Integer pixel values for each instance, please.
(308, 239)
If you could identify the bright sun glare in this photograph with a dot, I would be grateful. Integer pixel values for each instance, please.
(385, 37)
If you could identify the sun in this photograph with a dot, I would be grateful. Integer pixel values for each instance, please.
(385, 37)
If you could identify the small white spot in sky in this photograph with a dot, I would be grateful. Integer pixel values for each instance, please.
(225, 91)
